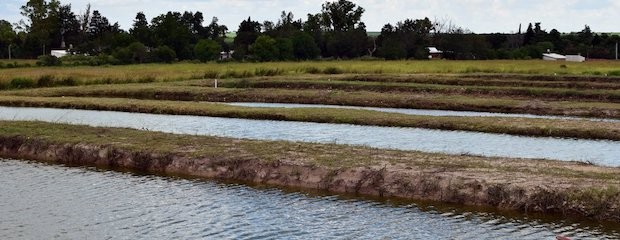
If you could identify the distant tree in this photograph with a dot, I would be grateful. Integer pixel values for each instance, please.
(246, 35)
(265, 49)
(163, 54)
(207, 50)
(141, 30)
(285, 49)
(341, 15)
(345, 32)
(7, 37)
(174, 30)
(304, 46)
(528, 38)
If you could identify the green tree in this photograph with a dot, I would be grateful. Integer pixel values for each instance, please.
(163, 54)
(7, 37)
(246, 35)
(207, 50)
(265, 49)
(341, 15)
(285, 49)
(304, 46)
(141, 31)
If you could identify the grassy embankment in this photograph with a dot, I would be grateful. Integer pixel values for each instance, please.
(515, 126)
(526, 185)
(201, 91)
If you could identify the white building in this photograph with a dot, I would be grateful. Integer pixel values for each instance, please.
(553, 57)
(434, 53)
(575, 58)
(59, 53)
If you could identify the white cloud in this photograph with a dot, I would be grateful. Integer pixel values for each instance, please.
(476, 15)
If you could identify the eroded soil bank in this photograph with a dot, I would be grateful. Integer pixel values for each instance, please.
(525, 185)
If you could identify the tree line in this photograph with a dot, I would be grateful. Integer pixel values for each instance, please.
(337, 31)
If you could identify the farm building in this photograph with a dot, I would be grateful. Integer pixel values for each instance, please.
(553, 57)
(434, 53)
(575, 58)
(59, 53)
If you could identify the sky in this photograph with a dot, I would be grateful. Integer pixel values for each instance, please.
(479, 16)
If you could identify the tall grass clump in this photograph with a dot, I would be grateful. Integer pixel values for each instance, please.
(268, 72)
(45, 81)
(333, 70)
(19, 82)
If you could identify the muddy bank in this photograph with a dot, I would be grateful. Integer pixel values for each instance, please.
(587, 191)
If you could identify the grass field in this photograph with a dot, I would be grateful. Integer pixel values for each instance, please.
(185, 71)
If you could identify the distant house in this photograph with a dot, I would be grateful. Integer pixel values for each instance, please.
(434, 53)
(226, 55)
(575, 58)
(59, 53)
(553, 57)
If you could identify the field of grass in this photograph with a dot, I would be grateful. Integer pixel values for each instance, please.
(185, 71)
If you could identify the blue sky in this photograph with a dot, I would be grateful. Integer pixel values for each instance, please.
(480, 16)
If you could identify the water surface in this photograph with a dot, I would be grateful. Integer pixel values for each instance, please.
(454, 142)
(420, 112)
(39, 201)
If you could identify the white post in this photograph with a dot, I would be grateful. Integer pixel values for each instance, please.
(215, 83)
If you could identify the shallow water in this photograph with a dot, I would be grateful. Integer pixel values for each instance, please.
(454, 142)
(39, 201)
(421, 112)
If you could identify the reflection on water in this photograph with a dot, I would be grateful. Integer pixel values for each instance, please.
(421, 112)
(455, 142)
(40, 201)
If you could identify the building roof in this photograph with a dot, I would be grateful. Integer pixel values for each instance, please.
(434, 50)
(554, 55)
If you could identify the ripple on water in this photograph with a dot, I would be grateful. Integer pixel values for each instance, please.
(40, 201)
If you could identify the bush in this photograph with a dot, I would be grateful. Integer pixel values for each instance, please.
(19, 83)
(48, 60)
(69, 81)
(45, 81)
(614, 73)
(207, 50)
(332, 70)
(164, 54)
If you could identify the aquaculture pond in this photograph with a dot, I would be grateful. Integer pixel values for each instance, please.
(600, 152)
(39, 201)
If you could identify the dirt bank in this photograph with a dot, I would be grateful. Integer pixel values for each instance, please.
(524, 185)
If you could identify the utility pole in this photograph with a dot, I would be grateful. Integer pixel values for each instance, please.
(12, 44)
(616, 50)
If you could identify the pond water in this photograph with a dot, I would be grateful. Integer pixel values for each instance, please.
(421, 112)
(454, 142)
(39, 201)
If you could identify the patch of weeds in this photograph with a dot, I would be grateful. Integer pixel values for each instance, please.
(18, 83)
(333, 70)
(45, 81)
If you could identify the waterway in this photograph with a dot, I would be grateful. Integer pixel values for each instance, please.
(39, 201)
(601, 152)
(419, 112)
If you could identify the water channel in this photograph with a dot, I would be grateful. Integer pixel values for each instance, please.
(39, 201)
(421, 112)
(600, 152)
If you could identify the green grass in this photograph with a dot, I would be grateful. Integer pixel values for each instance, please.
(515, 126)
(184, 71)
